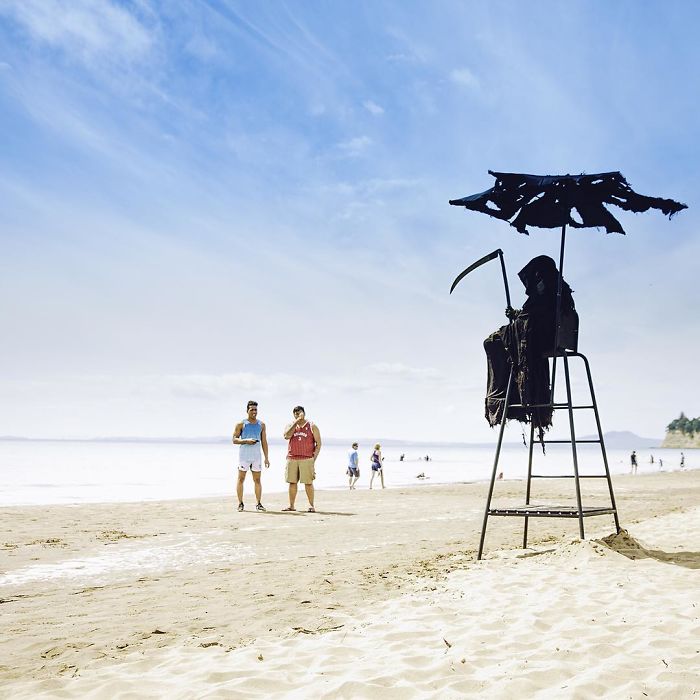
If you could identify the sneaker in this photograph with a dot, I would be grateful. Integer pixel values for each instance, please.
(261, 508)
(240, 507)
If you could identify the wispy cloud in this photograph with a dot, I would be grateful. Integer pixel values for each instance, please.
(83, 28)
(202, 47)
(221, 386)
(210, 386)
(464, 77)
(355, 146)
(373, 107)
(401, 371)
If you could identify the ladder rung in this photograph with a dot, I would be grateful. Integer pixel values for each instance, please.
(526, 405)
(568, 476)
(542, 405)
(567, 442)
(550, 511)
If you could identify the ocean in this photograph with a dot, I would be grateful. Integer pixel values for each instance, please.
(53, 472)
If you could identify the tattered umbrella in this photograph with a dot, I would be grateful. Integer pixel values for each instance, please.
(551, 201)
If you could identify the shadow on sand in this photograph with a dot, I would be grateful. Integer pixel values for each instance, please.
(300, 512)
(623, 543)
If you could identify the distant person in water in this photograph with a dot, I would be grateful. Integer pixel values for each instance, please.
(353, 466)
(402, 456)
(250, 434)
(633, 462)
(651, 459)
(377, 460)
(661, 464)
(304, 446)
(682, 461)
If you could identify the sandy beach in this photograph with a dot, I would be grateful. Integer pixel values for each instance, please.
(378, 594)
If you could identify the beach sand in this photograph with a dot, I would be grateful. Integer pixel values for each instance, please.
(378, 594)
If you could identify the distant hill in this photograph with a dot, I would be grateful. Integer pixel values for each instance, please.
(220, 439)
(614, 439)
(623, 439)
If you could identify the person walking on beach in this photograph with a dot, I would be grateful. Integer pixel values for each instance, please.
(682, 461)
(633, 462)
(250, 434)
(304, 446)
(377, 460)
(353, 466)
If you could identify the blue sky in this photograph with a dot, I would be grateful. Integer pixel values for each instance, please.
(209, 201)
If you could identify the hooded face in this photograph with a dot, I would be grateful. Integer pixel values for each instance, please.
(539, 275)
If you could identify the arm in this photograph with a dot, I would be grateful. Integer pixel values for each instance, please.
(263, 442)
(317, 439)
(289, 430)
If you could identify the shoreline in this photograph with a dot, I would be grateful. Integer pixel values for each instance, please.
(428, 482)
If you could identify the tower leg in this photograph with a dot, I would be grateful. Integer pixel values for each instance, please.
(602, 442)
(495, 464)
(573, 446)
(529, 480)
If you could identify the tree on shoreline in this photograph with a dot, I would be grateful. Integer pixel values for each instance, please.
(685, 425)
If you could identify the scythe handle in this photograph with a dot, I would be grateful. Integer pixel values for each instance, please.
(505, 277)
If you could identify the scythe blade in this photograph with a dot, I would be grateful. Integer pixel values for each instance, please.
(498, 253)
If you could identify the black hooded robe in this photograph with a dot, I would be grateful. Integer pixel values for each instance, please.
(524, 344)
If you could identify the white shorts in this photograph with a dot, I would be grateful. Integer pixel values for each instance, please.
(253, 465)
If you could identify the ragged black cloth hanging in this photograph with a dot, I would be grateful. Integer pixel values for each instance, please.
(524, 344)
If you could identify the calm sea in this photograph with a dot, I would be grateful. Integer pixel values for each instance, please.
(43, 472)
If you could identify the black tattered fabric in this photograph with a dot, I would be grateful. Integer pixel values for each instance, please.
(553, 201)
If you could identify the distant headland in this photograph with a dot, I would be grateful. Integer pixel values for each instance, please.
(682, 432)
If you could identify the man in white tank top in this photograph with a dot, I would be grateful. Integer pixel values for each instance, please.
(250, 434)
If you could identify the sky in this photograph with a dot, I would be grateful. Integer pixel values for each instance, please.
(208, 201)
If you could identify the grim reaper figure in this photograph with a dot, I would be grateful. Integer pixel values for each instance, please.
(525, 344)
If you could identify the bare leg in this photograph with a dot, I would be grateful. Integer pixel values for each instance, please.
(381, 476)
(258, 486)
(239, 485)
(310, 493)
(372, 478)
(292, 495)
(350, 481)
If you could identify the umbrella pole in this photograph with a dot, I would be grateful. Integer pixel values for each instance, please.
(557, 316)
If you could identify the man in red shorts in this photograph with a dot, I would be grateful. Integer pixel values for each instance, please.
(304, 446)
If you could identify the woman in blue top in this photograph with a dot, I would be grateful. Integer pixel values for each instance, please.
(377, 460)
